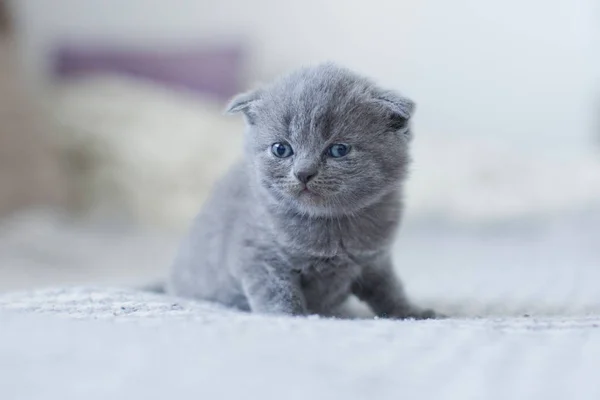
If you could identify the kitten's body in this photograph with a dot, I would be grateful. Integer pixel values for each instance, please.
(266, 242)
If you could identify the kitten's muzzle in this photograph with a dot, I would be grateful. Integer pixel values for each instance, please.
(305, 176)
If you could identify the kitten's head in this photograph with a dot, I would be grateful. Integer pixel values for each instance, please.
(325, 141)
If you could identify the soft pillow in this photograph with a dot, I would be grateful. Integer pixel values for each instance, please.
(141, 150)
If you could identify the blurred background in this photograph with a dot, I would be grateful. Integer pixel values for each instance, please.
(112, 133)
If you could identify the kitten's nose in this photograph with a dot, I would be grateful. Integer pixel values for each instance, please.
(306, 176)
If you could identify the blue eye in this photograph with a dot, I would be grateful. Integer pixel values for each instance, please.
(282, 150)
(338, 150)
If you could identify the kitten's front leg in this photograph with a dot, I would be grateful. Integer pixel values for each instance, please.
(381, 289)
(273, 290)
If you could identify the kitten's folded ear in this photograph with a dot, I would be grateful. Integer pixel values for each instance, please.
(400, 108)
(243, 102)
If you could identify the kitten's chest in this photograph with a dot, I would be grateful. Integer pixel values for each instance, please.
(326, 283)
(337, 238)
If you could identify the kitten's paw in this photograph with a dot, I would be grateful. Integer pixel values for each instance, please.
(429, 314)
(421, 314)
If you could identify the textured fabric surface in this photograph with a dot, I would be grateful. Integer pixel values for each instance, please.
(167, 348)
(523, 300)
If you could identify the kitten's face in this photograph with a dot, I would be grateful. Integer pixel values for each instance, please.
(324, 143)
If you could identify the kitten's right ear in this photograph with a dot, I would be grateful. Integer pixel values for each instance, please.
(244, 102)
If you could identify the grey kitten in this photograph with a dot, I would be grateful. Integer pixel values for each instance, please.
(309, 216)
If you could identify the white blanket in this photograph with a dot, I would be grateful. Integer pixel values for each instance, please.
(127, 345)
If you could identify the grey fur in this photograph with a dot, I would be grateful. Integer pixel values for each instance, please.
(262, 244)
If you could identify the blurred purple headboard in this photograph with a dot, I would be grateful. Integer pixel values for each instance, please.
(213, 70)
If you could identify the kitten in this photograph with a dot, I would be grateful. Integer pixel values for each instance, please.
(309, 216)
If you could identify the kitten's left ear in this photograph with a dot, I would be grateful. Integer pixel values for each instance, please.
(401, 108)
(243, 102)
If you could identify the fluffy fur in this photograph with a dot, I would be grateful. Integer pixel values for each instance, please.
(267, 242)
